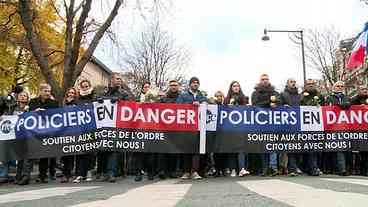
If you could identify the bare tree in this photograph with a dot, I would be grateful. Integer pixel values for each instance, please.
(322, 53)
(155, 57)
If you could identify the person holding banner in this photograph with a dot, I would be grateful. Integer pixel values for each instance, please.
(192, 96)
(7, 106)
(24, 167)
(70, 99)
(312, 97)
(266, 96)
(146, 161)
(85, 162)
(290, 97)
(42, 102)
(170, 164)
(338, 98)
(362, 99)
(236, 97)
(220, 159)
(108, 161)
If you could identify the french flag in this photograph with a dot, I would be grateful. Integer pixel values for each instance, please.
(359, 51)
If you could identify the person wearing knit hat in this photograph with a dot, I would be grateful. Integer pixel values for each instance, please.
(192, 96)
(191, 80)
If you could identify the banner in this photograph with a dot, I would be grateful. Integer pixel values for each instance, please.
(119, 126)
(286, 129)
(181, 128)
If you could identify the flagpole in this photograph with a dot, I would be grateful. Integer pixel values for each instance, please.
(303, 57)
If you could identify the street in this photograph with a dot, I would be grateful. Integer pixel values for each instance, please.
(327, 190)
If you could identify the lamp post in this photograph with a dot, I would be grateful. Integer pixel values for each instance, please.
(300, 32)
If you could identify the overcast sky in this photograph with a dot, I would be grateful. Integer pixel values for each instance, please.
(225, 37)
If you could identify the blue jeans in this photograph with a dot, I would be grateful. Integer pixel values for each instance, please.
(269, 160)
(232, 160)
(4, 169)
(243, 160)
(312, 161)
(340, 162)
(112, 163)
(292, 166)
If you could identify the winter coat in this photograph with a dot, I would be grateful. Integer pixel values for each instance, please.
(358, 100)
(170, 97)
(188, 97)
(290, 96)
(311, 98)
(46, 104)
(338, 99)
(117, 94)
(236, 99)
(261, 97)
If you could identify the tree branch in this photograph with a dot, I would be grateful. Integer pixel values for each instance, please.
(58, 12)
(9, 18)
(88, 54)
(53, 52)
(35, 43)
(79, 32)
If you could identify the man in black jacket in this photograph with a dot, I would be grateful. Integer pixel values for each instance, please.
(108, 159)
(172, 94)
(42, 102)
(312, 97)
(362, 99)
(266, 96)
(170, 163)
(290, 97)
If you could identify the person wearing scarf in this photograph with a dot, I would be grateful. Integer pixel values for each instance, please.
(338, 98)
(85, 162)
(266, 96)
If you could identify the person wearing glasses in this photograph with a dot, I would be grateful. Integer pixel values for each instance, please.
(170, 164)
(338, 98)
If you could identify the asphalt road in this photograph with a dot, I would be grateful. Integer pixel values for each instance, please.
(249, 191)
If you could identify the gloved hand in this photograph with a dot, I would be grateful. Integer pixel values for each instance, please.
(100, 100)
(345, 105)
(114, 100)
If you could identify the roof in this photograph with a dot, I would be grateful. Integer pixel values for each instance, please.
(101, 65)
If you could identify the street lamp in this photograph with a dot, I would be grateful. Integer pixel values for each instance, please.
(300, 32)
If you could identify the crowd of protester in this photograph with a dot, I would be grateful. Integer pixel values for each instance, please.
(108, 165)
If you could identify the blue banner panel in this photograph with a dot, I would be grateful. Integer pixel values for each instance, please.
(254, 119)
(56, 122)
